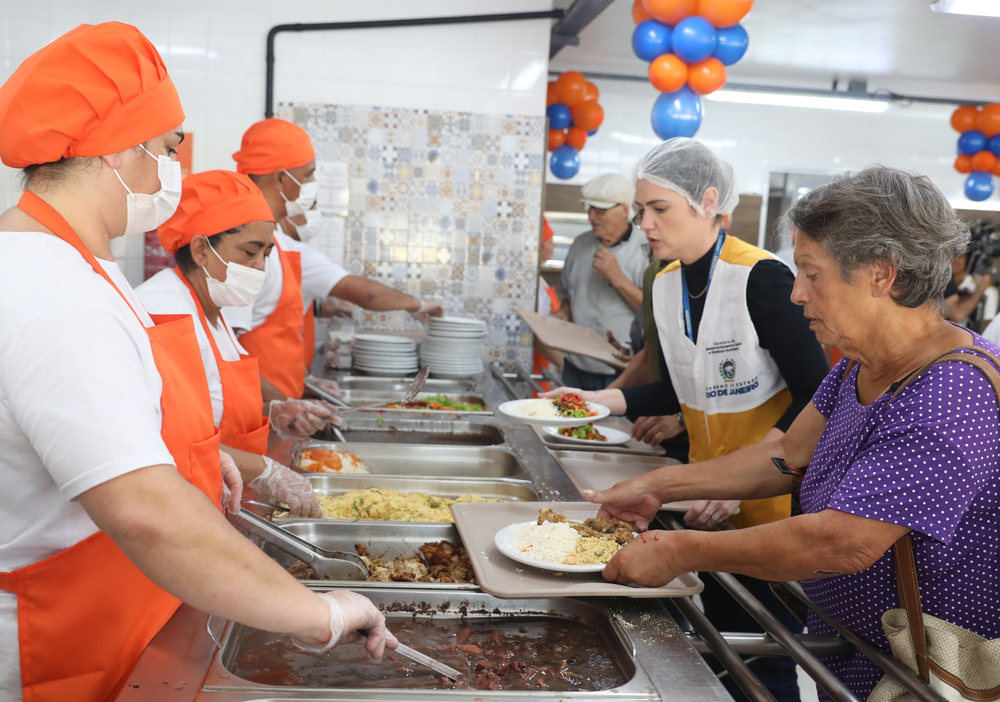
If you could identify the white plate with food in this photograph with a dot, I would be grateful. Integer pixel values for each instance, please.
(611, 436)
(547, 413)
(511, 542)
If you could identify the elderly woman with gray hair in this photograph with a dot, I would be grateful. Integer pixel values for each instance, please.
(893, 443)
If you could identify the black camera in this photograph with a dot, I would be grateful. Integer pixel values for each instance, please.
(984, 246)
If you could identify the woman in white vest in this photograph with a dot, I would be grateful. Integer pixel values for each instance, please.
(740, 361)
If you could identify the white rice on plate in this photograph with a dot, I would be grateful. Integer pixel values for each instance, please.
(547, 542)
(537, 408)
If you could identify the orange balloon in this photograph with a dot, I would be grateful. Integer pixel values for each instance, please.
(988, 120)
(590, 92)
(557, 137)
(706, 76)
(723, 13)
(569, 88)
(551, 97)
(963, 164)
(668, 73)
(983, 161)
(670, 11)
(588, 115)
(639, 14)
(964, 118)
(576, 137)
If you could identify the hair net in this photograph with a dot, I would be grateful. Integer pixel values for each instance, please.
(689, 168)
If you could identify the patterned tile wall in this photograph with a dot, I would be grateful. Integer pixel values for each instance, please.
(443, 206)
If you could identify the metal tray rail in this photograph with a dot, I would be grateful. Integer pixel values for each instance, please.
(402, 429)
(443, 605)
(362, 397)
(414, 460)
(388, 539)
(398, 385)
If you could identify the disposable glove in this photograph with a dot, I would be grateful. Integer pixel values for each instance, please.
(232, 481)
(349, 612)
(300, 418)
(428, 310)
(325, 384)
(280, 484)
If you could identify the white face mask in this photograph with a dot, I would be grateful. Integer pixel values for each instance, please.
(310, 229)
(306, 199)
(241, 286)
(145, 212)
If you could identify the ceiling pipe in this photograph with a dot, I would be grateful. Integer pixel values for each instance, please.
(857, 89)
(566, 31)
(382, 24)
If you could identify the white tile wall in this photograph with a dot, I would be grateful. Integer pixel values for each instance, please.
(215, 51)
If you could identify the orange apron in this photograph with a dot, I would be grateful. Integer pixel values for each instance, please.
(309, 332)
(85, 614)
(242, 425)
(278, 342)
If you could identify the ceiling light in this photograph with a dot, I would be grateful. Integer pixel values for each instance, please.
(822, 102)
(983, 8)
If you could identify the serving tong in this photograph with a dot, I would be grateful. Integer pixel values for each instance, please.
(329, 565)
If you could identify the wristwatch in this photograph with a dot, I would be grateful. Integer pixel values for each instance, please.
(680, 417)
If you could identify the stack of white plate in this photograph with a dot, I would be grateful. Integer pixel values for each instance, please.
(384, 355)
(453, 346)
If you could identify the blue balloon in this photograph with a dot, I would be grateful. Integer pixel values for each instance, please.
(559, 116)
(993, 145)
(651, 39)
(971, 142)
(677, 114)
(978, 186)
(693, 39)
(730, 44)
(565, 162)
(592, 133)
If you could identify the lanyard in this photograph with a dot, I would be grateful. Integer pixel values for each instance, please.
(688, 327)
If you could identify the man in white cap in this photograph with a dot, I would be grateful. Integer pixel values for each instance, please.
(602, 277)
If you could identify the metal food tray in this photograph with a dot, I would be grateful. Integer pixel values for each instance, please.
(400, 385)
(389, 539)
(357, 398)
(478, 524)
(400, 429)
(238, 640)
(632, 446)
(427, 461)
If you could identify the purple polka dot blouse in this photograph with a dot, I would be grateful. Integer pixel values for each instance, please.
(929, 460)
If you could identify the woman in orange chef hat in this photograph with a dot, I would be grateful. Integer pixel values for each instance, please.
(108, 451)
(220, 237)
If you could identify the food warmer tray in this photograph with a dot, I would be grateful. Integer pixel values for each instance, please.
(400, 429)
(400, 385)
(414, 460)
(614, 638)
(478, 524)
(358, 398)
(389, 539)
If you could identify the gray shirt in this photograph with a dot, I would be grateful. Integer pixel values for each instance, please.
(594, 302)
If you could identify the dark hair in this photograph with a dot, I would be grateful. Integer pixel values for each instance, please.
(183, 256)
(39, 176)
(886, 214)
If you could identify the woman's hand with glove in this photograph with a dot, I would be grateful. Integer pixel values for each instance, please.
(282, 485)
(428, 310)
(349, 612)
(300, 418)
(232, 482)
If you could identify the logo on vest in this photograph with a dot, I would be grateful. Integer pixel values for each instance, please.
(727, 369)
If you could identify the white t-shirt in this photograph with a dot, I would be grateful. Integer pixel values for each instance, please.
(79, 405)
(319, 275)
(165, 293)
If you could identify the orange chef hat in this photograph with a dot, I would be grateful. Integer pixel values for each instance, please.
(272, 145)
(212, 202)
(547, 232)
(96, 90)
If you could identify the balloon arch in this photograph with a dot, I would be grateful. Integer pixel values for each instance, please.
(978, 147)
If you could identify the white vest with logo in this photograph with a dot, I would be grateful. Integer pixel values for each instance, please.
(729, 388)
